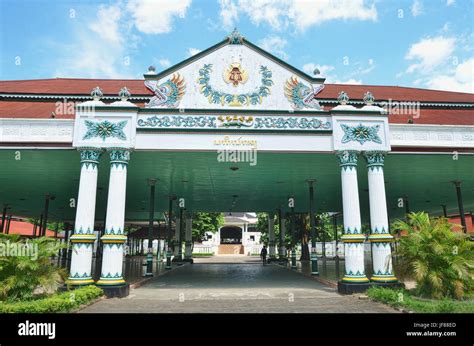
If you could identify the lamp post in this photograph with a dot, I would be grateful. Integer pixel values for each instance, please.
(149, 256)
(457, 183)
(291, 205)
(314, 258)
(181, 226)
(168, 248)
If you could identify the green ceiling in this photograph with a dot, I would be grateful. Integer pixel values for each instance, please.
(209, 185)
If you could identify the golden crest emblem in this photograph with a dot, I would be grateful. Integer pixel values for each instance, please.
(235, 74)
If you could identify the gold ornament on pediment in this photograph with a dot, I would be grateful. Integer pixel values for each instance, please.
(235, 75)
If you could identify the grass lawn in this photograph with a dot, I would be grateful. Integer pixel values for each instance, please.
(203, 254)
(401, 298)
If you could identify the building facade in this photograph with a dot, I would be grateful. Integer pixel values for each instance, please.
(232, 128)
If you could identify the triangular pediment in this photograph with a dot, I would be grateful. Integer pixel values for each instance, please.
(234, 74)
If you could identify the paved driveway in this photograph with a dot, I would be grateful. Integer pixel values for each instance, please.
(235, 288)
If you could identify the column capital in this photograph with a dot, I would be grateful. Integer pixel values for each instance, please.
(347, 158)
(90, 155)
(374, 158)
(119, 156)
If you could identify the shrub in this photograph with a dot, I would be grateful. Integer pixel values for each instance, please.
(439, 258)
(25, 271)
(403, 298)
(62, 302)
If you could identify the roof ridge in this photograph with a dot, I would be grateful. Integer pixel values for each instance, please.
(327, 84)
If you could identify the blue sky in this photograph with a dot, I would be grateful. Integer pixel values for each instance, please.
(419, 43)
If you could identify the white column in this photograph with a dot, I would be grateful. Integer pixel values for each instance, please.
(188, 238)
(84, 237)
(114, 237)
(353, 239)
(380, 236)
(271, 236)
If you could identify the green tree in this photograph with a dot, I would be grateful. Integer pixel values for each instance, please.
(437, 255)
(206, 222)
(262, 226)
(22, 273)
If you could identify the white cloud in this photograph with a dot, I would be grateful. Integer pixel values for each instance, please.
(349, 81)
(459, 79)
(104, 56)
(436, 64)
(193, 51)
(301, 14)
(429, 53)
(164, 63)
(324, 69)
(107, 24)
(229, 13)
(416, 8)
(156, 16)
(275, 45)
(449, 2)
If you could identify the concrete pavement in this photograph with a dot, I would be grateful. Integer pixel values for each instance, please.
(223, 287)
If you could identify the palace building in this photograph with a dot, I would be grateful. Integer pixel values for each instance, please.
(232, 128)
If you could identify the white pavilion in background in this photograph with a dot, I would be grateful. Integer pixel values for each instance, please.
(238, 236)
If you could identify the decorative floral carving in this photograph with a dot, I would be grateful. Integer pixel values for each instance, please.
(90, 156)
(291, 123)
(119, 157)
(179, 121)
(105, 129)
(347, 158)
(361, 134)
(375, 159)
(235, 37)
(223, 98)
(235, 121)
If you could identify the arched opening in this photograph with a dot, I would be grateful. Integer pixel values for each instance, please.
(231, 235)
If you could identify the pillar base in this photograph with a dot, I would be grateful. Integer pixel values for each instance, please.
(79, 283)
(188, 260)
(116, 291)
(384, 278)
(350, 288)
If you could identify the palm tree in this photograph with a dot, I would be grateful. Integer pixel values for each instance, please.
(436, 255)
(29, 268)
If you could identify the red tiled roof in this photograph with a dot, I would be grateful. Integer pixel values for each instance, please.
(30, 109)
(68, 86)
(26, 229)
(73, 86)
(382, 92)
(77, 86)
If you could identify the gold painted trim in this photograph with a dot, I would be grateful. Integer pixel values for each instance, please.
(110, 282)
(351, 279)
(79, 282)
(383, 278)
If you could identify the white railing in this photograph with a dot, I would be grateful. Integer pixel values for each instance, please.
(199, 248)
